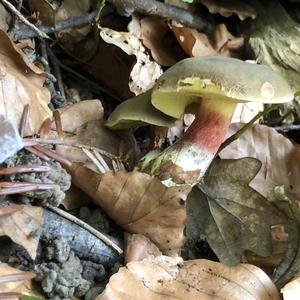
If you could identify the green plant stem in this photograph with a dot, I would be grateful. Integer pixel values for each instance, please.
(247, 126)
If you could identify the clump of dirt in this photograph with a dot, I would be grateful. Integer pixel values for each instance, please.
(64, 275)
(56, 175)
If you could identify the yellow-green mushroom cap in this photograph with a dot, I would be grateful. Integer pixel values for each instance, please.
(137, 111)
(215, 77)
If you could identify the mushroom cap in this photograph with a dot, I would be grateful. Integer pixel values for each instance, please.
(198, 78)
(137, 111)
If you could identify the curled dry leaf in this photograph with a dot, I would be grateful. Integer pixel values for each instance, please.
(154, 31)
(145, 72)
(21, 83)
(22, 223)
(139, 203)
(233, 216)
(279, 158)
(166, 278)
(228, 8)
(196, 43)
(139, 247)
(15, 281)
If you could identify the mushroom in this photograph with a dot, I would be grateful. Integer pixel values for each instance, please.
(210, 87)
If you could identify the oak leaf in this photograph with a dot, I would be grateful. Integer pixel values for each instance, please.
(166, 278)
(233, 216)
(139, 203)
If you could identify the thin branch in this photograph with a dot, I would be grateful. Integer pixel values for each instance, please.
(15, 11)
(89, 228)
(74, 22)
(287, 127)
(160, 9)
(24, 169)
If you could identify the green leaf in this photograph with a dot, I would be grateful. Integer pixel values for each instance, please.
(31, 298)
(188, 1)
(232, 215)
(290, 265)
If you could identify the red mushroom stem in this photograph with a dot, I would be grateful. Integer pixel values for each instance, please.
(194, 152)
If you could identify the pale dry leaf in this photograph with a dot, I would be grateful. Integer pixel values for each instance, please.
(279, 158)
(21, 83)
(22, 223)
(139, 203)
(14, 280)
(291, 290)
(244, 112)
(5, 18)
(139, 247)
(166, 278)
(154, 30)
(145, 72)
(228, 8)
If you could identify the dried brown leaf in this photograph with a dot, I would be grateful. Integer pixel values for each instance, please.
(139, 203)
(196, 43)
(21, 83)
(154, 31)
(279, 158)
(15, 281)
(22, 224)
(165, 278)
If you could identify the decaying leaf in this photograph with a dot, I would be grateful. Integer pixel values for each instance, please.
(196, 43)
(21, 83)
(233, 216)
(166, 278)
(22, 223)
(139, 203)
(139, 247)
(5, 18)
(145, 72)
(278, 155)
(15, 281)
(228, 8)
(290, 265)
(154, 31)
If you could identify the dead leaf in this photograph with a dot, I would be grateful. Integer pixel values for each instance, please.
(139, 247)
(5, 18)
(15, 281)
(233, 216)
(290, 264)
(166, 278)
(154, 30)
(22, 223)
(21, 83)
(244, 112)
(139, 203)
(279, 158)
(228, 8)
(145, 72)
(196, 43)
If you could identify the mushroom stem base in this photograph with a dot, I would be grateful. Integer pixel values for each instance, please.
(186, 161)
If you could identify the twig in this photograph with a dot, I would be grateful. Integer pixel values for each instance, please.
(24, 120)
(156, 8)
(58, 124)
(25, 33)
(247, 126)
(11, 188)
(89, 228)
(17, 277)
(95, 161)
(287, 127)
(15, 11)
(34, 151)
(56, 68)
(71, 144)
